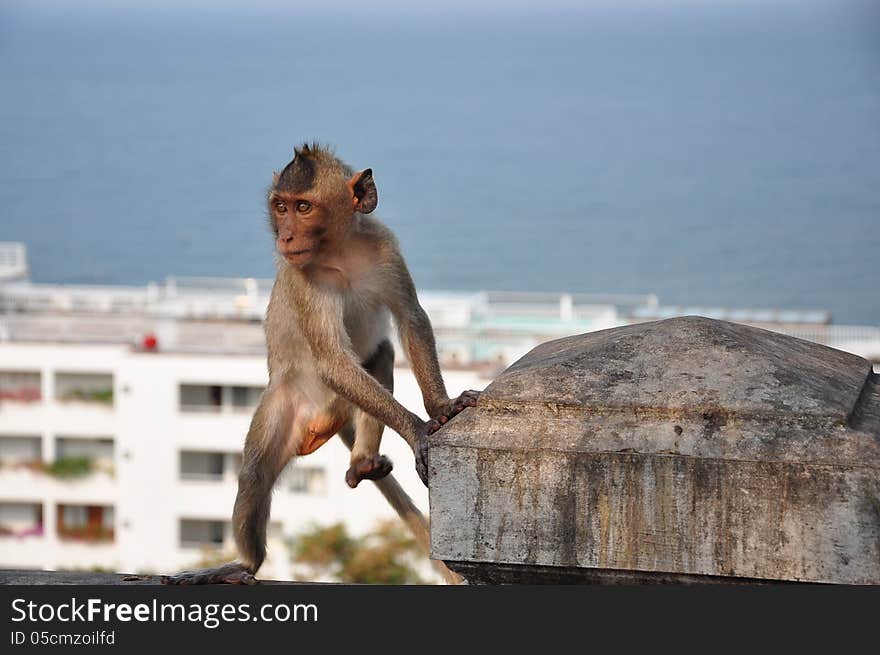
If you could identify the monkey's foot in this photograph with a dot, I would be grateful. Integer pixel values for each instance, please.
(232, 573)
(465, 400)
(369, 468)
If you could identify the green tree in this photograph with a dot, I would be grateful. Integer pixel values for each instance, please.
(386, 555)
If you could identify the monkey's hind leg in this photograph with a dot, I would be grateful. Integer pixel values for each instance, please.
(366, 462)
(271, 441)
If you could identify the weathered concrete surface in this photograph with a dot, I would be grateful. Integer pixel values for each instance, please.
(676, 449)
(28, 577)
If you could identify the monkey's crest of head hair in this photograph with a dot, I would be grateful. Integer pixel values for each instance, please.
(312, 150)
(308, 161)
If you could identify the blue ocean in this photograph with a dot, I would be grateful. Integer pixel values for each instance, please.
(711, 153)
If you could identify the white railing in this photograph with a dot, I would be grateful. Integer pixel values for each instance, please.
(224, 314)
(52, 328)
(824, 333)
(26, 297)
(836, 336)
(247, 298)
(13, 261)
(735, 314)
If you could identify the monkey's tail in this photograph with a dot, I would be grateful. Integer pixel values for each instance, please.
(408, 512)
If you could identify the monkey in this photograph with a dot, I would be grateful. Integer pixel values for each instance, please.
(340, 278)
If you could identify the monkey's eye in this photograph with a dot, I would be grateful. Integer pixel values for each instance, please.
(303, 207)
(280, 207)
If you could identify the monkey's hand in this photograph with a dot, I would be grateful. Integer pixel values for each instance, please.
(455, 405)
(428, 428)
(440, 417)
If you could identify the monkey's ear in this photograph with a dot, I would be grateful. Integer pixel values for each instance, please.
(363, 189)
(275, 177)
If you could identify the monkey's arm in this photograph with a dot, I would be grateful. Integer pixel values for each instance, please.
(417, 337)
(340, 369)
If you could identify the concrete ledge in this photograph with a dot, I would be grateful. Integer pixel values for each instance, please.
(477, 573)
(24, 577)
(675, 450)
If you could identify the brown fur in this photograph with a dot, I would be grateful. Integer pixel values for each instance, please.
(340, 277)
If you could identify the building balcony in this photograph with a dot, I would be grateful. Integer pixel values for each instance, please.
(30, 551)
(87, 388)
(88, 417)
(28, 481)
(74, 554)
(57, 417)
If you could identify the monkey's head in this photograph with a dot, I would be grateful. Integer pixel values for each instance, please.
(314, 202)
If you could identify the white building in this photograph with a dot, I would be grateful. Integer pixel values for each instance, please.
(160, 429)
(165, 447)
(147, 393)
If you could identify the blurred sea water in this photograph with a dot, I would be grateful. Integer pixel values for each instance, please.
(720, 154)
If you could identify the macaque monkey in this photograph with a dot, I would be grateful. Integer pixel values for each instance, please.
(340, 278)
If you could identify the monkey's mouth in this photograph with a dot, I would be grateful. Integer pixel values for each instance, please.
(293, 254)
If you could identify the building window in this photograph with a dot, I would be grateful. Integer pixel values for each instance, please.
(195, 533)
(20, 386)
(200, 398)
(74, 516)
(84, 387)
(307, 480)
(246, 398)
(214, 398)
(86, 522)
(196, 465)
(21, 519)
(21, 451)
(97, 450)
